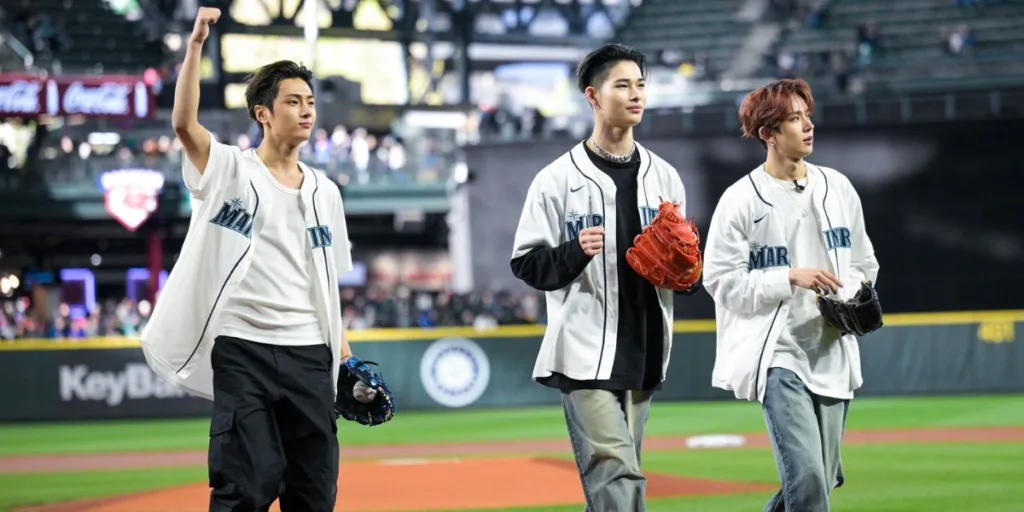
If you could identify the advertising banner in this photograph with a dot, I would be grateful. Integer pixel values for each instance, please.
(88, 384)
(462, 372)
(92, 96)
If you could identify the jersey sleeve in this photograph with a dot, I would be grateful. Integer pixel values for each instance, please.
(538, 259)
(863, 263)
(342, 247)
(677, 193)
(677, 189)
(221, 168)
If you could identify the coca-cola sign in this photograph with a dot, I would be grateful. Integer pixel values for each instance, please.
(21, 97)
(99, 96)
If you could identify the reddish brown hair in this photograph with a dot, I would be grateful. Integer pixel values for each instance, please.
(770, 105)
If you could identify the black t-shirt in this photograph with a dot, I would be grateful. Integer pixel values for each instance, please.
(640, 344)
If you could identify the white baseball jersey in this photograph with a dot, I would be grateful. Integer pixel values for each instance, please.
(568, 195)
(805, 345)
(746, 270)
(230, 209)
(275, 303)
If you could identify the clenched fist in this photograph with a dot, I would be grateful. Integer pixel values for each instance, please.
(207, 16)
(592, 240)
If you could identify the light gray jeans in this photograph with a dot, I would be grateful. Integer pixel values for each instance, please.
(607, 430)
(806, 432)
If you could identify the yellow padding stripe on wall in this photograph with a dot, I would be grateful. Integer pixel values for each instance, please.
(524, 331)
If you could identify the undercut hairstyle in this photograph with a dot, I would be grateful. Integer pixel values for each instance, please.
(593, 69)
(263, 84)
(770, 105)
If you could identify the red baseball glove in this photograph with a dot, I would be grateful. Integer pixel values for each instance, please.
(667, 253)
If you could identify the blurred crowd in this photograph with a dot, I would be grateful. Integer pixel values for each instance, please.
(362, 308)
(958, 40)
(31, 157)
(110, 318)
(841, 63)
(402, 308)
(361, 157)
(837, 64)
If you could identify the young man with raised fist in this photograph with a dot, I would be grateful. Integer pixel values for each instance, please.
(786, 238)
(250, 316)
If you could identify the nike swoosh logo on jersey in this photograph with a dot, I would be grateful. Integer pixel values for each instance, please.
(577, 189)
(759, 219)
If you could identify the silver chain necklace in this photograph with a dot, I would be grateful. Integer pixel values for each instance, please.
(614, 158)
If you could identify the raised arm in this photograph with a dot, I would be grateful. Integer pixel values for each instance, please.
(194, 138)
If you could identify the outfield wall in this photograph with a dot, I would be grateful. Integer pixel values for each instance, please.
(914, 354)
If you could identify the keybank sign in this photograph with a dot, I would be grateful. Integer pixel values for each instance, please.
(135, 382)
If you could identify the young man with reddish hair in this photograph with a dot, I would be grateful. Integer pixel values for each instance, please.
(782, 234)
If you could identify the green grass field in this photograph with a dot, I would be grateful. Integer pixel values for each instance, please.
(981, 477)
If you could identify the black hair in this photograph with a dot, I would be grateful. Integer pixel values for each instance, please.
(593, 69)
(263, 84)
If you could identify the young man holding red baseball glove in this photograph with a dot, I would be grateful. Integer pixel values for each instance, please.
(609, 281)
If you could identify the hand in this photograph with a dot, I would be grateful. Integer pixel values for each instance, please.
(592, 240)
(815, 279)
(207, 16)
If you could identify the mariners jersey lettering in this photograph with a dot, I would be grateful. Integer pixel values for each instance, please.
(838, 238)
(767, 256)
(233, 215)
(320, 236)
(647, 215)
(577, 222)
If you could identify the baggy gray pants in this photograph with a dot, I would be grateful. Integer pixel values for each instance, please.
(607, 430)
(806, 432)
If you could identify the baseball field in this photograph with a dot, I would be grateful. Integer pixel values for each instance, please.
(961, 453)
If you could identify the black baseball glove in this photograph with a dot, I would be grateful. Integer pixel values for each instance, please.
(860, 315)
(378, 411)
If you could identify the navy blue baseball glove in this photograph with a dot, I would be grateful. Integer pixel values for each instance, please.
(379, 410)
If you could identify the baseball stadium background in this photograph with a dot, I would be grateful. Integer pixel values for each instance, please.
(434, 116)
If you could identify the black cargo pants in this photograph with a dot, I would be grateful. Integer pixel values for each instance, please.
(273, 433)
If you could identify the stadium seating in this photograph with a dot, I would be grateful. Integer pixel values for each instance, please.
(697, 28)
(100, 40)
(911, 52)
